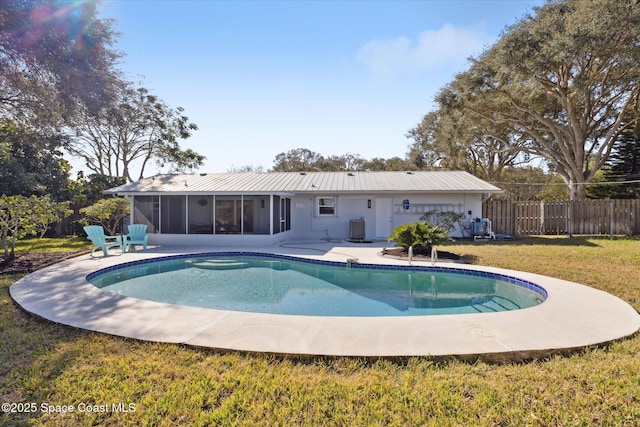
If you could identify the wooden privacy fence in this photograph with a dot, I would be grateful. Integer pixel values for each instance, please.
(563, 217)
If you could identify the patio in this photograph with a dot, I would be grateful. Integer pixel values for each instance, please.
(573, 316)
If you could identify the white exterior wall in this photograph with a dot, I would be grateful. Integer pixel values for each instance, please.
(419, 204)
(306, 223)
(219, 241)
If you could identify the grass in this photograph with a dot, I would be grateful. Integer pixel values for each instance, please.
(168, 385)
(61, 244)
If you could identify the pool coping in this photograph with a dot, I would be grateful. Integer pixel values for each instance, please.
(573, 316)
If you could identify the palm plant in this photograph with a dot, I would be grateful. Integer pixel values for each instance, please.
(421, 235)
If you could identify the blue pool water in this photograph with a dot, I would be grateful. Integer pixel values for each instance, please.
(268, 283)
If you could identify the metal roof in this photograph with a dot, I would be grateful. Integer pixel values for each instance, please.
(309, 182)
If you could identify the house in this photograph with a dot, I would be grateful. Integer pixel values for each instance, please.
(268, 207)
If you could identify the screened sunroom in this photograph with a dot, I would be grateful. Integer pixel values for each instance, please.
(223, 214)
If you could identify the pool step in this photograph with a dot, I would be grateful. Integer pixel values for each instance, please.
(219, 264)
(493, 306)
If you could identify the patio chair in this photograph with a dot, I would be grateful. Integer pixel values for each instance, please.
(137, 235)
(95, 233)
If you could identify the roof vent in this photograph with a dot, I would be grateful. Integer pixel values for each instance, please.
(203, 174)
(350, 174)
(303, 173)
(409, 173)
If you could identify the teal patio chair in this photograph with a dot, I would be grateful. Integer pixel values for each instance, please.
(95, 233)
(137, 235)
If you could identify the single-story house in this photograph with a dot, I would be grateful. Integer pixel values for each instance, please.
(267, 207)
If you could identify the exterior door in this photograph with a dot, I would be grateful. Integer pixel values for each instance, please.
(383, 217)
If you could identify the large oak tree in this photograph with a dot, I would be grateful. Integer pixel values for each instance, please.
(563, 79)
(457, 139)
(54, 55)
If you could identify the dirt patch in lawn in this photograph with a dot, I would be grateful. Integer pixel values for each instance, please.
(27, 263)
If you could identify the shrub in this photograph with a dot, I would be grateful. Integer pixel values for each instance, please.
(446, 220)
(106, 212)
(27, 216)
(421, 235)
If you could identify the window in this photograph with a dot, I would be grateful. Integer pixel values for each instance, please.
(200, 211)
(327, 206)
(146, 210)
(228, 211)
(173, 214)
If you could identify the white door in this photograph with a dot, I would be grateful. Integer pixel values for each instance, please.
(383, 217)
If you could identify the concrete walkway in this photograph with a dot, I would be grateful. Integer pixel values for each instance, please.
(572, 317)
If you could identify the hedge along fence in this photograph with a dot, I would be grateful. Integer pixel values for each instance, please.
(608, 216)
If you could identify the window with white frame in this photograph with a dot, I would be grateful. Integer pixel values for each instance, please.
(326, 206)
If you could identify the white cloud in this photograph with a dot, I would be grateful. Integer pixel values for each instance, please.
(448, 46)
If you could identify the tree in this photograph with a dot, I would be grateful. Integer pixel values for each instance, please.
(553, 189)
(27, 216)
(391, 164)
(345, 162)
(53, 55)
(89, 190)
(135, 129)
(531, 183)
(30, 163)
(424, 152)
(625, 165)
(563, 80)
(245, 168)
(455, 139)
(107, 212)
(297, 160)
(305, 160)
(623, 168)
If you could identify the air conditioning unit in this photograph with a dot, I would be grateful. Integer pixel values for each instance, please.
(356, 229)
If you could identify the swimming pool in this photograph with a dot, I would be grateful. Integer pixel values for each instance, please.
(573, 316)
(279, 284)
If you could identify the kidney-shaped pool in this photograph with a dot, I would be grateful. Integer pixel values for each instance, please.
(268, 283)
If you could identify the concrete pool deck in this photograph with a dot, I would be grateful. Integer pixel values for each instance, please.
(573, 316)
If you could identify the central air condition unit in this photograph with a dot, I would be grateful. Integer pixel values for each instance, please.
(356, 229)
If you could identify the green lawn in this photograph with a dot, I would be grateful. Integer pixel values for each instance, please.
(166, 385)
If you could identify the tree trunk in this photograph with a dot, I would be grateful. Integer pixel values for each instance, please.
(577, 190)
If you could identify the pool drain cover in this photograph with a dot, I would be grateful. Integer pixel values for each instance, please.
(481, 332)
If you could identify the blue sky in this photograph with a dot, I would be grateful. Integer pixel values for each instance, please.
(264, 77)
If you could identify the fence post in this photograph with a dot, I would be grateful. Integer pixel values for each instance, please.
(610, 207)
(514, 218)
(636, 217)
(570, 219)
